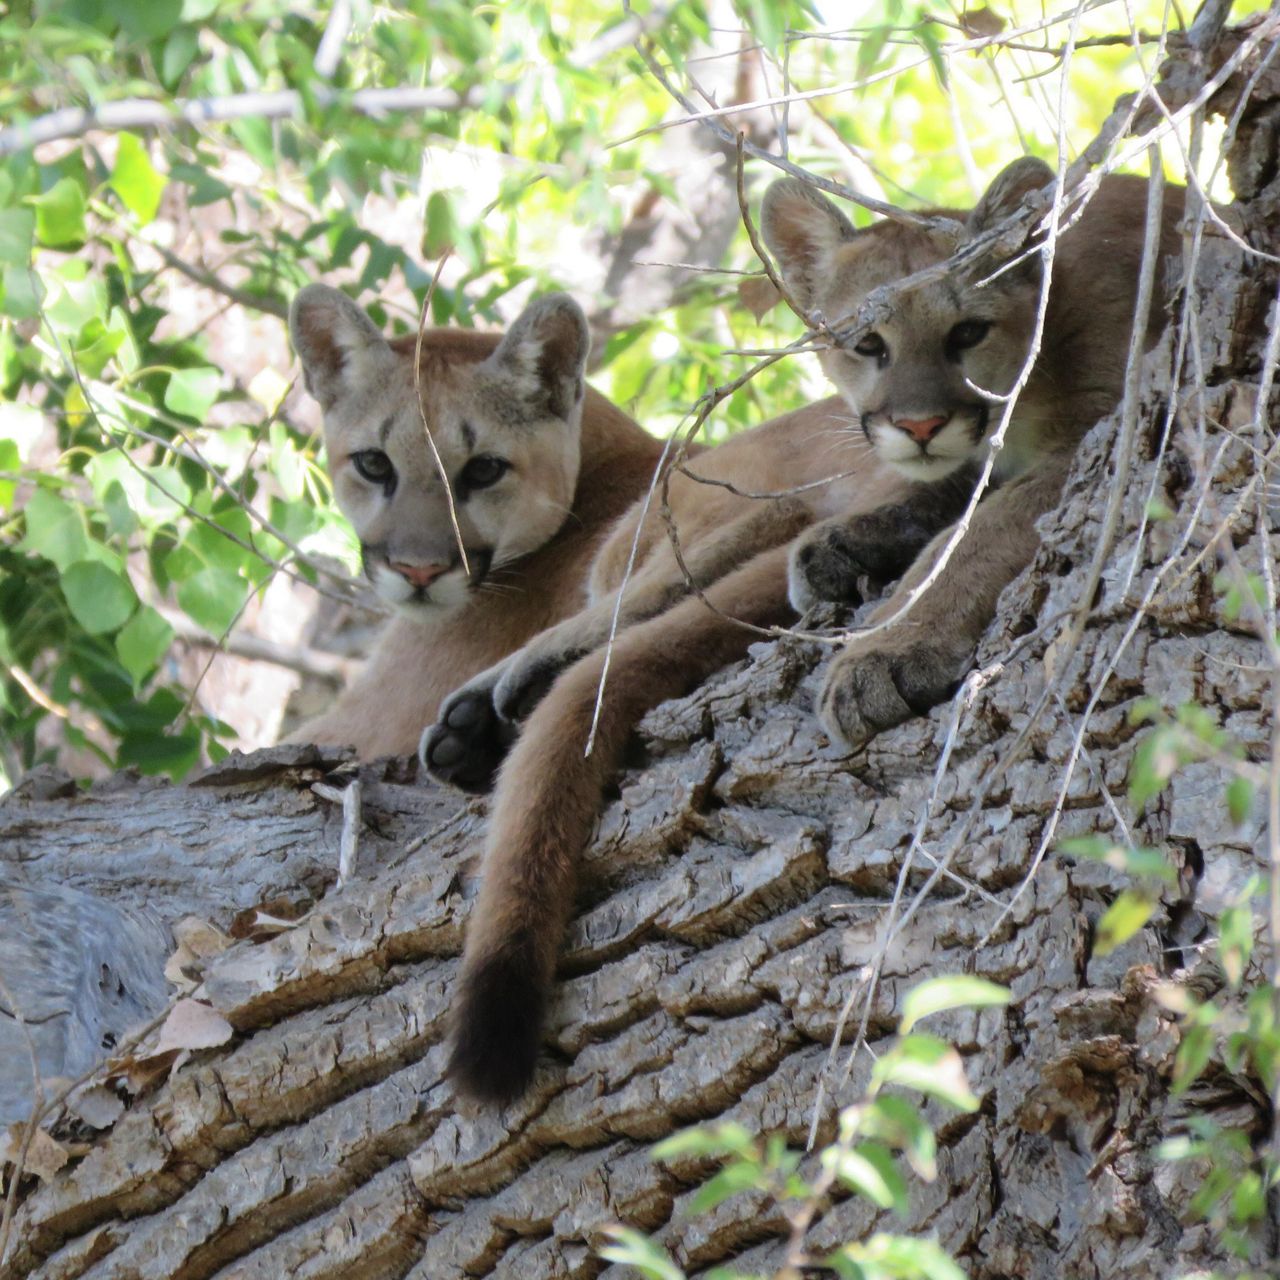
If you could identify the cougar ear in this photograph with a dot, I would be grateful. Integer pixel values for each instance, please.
(803, 230)
(1007, 191)
(544, 354)
(332, 336)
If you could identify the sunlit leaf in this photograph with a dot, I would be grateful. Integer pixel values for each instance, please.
(100, 599)
(60, 214)
(1121, 920)
(958, 991)
(135, 180)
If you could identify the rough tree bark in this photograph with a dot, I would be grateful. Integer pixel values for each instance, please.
(735, 898)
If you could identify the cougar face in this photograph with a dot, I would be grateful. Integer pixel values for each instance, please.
(439, 514)
(927, 378)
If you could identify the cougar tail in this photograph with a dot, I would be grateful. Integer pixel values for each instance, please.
(545, 805)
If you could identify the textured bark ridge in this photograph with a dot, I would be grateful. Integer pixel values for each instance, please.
(735, 900)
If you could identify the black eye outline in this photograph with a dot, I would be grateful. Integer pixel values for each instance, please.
(482, 472)
(873, 346)
(967, 334)
(374, 466)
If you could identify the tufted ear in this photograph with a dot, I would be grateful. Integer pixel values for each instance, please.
(544, 353)
(332, 336)
(803, 230)
(1007, 191)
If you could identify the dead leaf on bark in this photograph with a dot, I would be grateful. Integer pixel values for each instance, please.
(97, 1105)
(198, 942)
(44, 1157)
(267, 919)
(192, 1024)
(759, 295)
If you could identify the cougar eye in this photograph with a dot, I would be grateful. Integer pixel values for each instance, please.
(871, 345)
(482, 471)
(374, 466)
(968, 333)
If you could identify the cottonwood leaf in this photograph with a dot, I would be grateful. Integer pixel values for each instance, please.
(192, 1024)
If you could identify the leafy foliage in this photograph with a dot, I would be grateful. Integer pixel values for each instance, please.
(876, 1137)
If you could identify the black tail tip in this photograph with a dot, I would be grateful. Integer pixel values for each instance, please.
(497, 1030)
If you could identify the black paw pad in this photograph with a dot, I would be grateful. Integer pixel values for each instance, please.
(466, 746)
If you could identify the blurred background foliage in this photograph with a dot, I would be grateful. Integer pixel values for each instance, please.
(161, 475)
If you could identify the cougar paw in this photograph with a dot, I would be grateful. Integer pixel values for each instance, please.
(868, 692)
(845, 561)
(525, 683)
(467, 744)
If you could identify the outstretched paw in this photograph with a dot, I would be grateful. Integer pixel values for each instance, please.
(844, 561)
(527, 678)
(467, 744)
(868, 692)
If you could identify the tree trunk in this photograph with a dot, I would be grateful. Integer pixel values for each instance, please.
(738, 897)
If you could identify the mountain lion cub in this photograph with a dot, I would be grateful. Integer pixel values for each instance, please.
(540, 468)
(916, 378)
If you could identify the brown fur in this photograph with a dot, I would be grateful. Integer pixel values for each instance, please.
(548, 793)
(420, 658)
(1078, 377)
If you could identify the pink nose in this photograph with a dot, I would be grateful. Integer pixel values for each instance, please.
(922, 429)
(419, 575)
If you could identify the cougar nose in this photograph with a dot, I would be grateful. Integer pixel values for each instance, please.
(418, 575)
(922, 429)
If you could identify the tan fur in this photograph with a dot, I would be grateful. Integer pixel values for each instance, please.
(921, 377)
(542, 523)
(548, 793)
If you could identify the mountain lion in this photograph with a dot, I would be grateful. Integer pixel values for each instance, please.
(916, 380)
(540, 467)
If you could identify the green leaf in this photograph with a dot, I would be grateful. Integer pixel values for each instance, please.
(135, 180)
(192, 392)
(707, 1140)
(1121, 920)
(60, 214)
(1193, 1055)
(145, 22)
(1144, 864)
(741, 1175)
(1235, 942)
(213, 598)
(869, 1170)
(55, 529)
(635, 1250)
(929, 1065)
(894, 1120)
(885, 1256)
(17, 231)
(173, 753)
(440, 232)
(960, 991)
(9, 461)
(179, 51)
(142, 642)
(23, 292)
(100, 599)
(1239, 800)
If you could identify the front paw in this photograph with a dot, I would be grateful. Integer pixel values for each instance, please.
(467, 744)
(528, 676)
(846, 561)
(867, 692)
